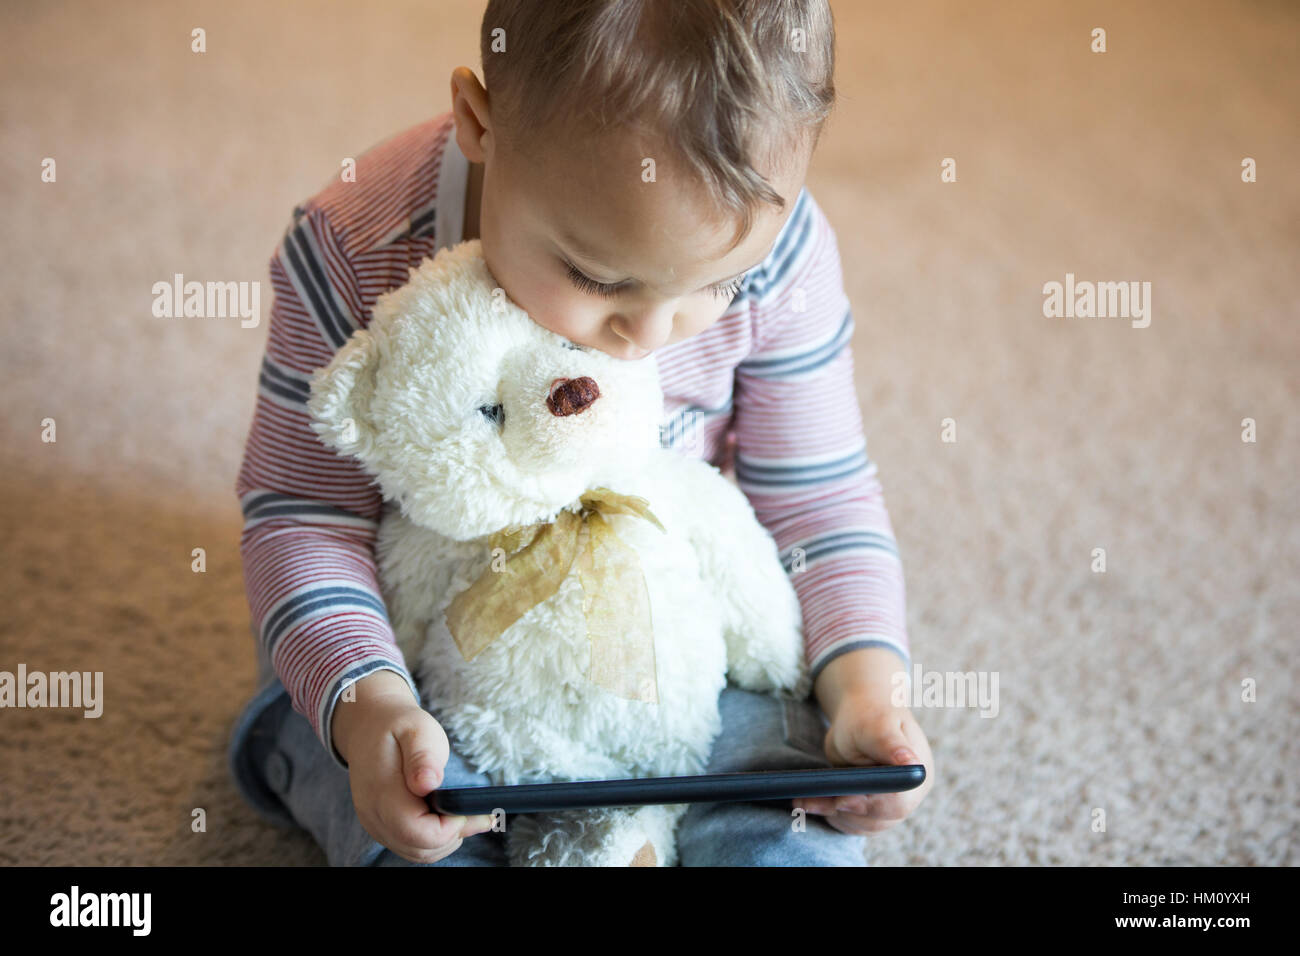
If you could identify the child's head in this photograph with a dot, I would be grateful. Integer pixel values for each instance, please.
(652, 145)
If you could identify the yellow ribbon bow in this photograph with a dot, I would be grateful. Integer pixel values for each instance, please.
(615, 602)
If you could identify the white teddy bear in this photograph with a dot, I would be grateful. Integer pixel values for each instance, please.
(484, 430)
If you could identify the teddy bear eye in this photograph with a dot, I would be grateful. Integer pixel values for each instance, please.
(573, 345)
(496, 414)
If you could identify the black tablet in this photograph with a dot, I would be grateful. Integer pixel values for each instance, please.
(696, 788)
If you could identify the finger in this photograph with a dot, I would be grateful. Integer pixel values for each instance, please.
(384, 833)
(875, 739)
(879, 806)
(430, 833)
(892, 746)
(479, 823)
(851, 823)
(854, 804)
(407, 819)
(858, 804)
(819, 805)
(425, 751)
(858, 826)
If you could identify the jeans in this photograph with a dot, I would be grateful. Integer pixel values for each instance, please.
(284, 772)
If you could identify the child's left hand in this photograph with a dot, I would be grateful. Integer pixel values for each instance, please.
(865, 732)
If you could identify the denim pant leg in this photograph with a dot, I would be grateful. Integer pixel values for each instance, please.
(318, 794)
(764, 732)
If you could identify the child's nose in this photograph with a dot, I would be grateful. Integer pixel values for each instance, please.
(568, 396)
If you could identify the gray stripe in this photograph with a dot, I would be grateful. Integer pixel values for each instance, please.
(793, 236)
(302, 605)
(801, 362)
(747, 472)
(835, 543)
(853, 646)
(424, 224)
(270, 503)
(315, 284)
(274, 380)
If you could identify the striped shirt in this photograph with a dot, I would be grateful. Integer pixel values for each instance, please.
(766, 393)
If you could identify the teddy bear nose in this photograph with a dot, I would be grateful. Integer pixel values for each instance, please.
(569, 396)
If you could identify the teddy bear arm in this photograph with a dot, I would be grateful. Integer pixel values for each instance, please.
(414, 576)
(409, 629)
(740, 565)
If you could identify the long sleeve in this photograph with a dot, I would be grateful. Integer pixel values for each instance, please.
(310, 515)
(800, 451)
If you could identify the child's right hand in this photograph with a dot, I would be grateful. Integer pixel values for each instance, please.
(396, 752)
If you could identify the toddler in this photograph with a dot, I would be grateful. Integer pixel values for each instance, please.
(635, 172)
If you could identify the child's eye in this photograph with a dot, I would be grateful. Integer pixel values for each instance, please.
(730, 290)
(588, 284)
(727, 290)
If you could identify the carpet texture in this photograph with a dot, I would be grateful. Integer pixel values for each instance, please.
(1119, 691)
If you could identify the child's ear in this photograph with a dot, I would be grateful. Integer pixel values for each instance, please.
(341, 393)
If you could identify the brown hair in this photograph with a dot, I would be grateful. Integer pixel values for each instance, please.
(725, 82)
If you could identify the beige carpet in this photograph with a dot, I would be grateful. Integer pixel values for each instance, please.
(1118, 691)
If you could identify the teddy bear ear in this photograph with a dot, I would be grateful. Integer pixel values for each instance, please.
(341, 393)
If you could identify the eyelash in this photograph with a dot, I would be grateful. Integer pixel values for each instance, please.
(590, 285)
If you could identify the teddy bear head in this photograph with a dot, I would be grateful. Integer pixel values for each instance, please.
(472, 416)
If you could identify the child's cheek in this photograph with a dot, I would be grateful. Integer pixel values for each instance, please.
(698, 316)
(558, 309)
